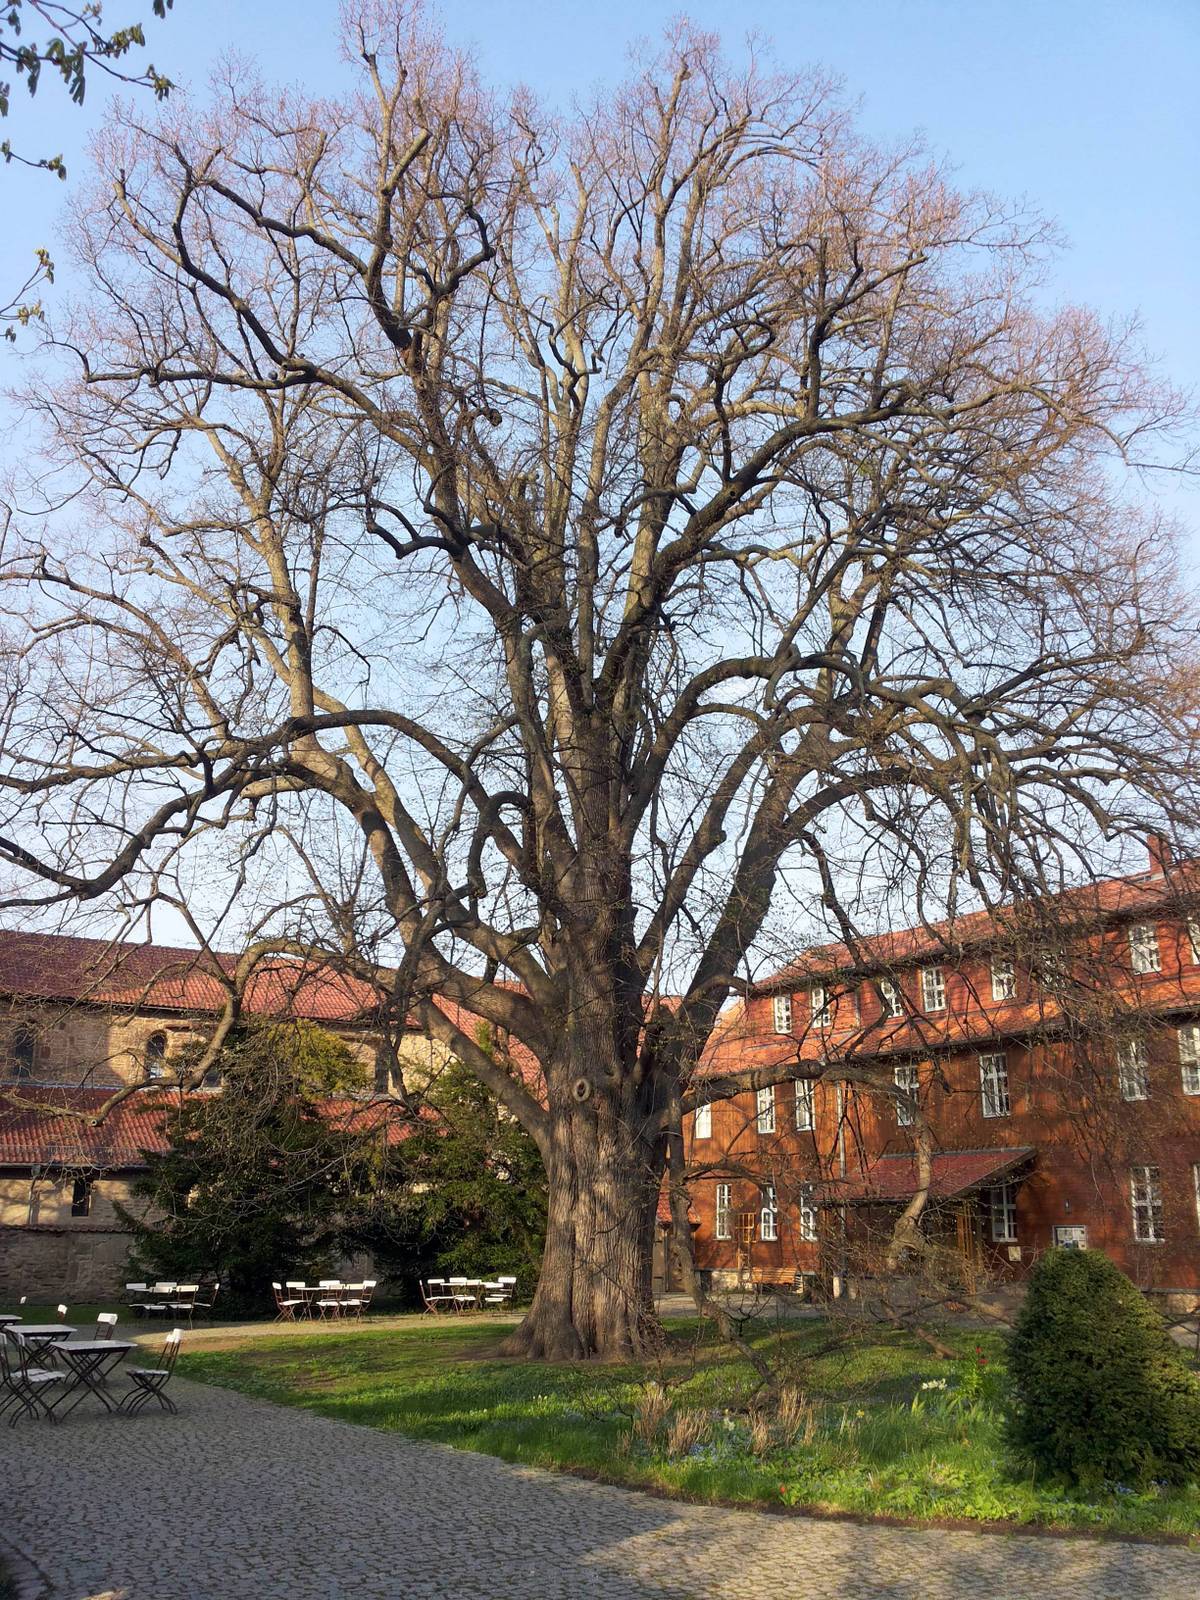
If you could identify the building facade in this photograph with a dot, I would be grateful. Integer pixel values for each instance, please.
(1051, 1062)
(82, 1018)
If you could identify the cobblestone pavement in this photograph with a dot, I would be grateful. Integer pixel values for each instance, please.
(237, 1499)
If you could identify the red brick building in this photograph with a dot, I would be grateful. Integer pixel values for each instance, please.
(1054, 1056)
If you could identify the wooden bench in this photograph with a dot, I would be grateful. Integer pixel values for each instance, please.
(765, 1279)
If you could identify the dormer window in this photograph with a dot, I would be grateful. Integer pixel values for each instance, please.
(781, 1009)
(155, 1060)
(1143, 947)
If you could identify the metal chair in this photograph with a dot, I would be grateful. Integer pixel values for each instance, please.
(106, 1325)
(329, 1304)
(435, 1295)
(351, 1299)
(206, 1299)
(463, 1294)
(284, 1307)
(185, 1304)
(21, 1384)
(150, 1383)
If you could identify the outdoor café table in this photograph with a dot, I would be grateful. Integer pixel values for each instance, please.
(89, 1361)
(42, 1337)
(8, 1316)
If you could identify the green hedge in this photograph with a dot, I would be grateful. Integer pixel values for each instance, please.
(1099, 1391)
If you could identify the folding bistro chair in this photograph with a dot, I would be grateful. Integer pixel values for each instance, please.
(106, 1325)
(437, 1296)
(21, 1383)
(149, 1383)
(206, 1299)
(285, 1308)
(183, 1305)
(294, 1288)
(329, 1302)
(352, 1299)
(462, 1294)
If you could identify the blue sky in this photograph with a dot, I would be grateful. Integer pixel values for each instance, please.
(1086, 107)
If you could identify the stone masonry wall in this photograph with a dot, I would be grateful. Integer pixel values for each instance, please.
(51, 1264)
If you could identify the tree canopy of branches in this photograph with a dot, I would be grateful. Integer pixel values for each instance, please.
(562, 537)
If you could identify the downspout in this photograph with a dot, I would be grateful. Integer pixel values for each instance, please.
(839, 1287)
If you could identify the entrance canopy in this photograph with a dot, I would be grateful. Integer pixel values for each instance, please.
(892, 1180)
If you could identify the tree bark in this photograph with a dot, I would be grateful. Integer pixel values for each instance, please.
(594, 1296)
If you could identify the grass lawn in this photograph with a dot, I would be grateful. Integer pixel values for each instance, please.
(867, 1438)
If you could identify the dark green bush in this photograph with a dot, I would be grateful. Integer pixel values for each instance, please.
(1099, 1391)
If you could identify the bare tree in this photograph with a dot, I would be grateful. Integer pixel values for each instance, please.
(549, 535)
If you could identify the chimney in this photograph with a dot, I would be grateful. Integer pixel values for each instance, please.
(1161, 855)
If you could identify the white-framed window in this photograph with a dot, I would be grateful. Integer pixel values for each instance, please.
(702, 1126)
(804, 1105)
(1053, 971)
(905, 1076)
(993, 1085)
(1002, 1207)
(889, 993)
(1145, 1195)
(1194, 939)
(1133, 1070)
(1189, 1057)
(781, 1013)
(933, 989)
(821, 1006)
(808, 1215)
(1143, 947)
(1004, 978)
(724, 1219)
(765, 1107)
(768, 1217)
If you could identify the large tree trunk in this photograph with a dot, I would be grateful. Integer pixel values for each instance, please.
(594, 1296)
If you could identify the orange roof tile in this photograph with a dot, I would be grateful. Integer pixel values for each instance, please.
(1114, 898)
(32, 1136)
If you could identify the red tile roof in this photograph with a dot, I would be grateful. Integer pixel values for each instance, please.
(1113, 898)
(892, 1180)
(34, 1136)
(49, 966)
(155, 977)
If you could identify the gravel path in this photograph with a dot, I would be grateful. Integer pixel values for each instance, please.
(237, 1499)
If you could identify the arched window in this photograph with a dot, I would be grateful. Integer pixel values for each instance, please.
(24, 1046)
(156, 1055)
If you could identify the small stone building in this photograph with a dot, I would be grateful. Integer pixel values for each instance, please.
(82, 1018)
